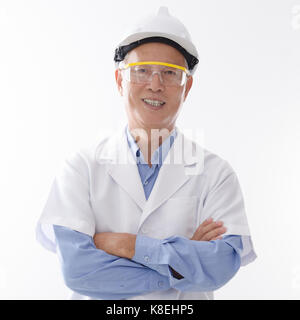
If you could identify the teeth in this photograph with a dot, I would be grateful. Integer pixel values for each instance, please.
(154, 103)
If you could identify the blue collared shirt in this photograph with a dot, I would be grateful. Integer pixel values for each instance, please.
(149, 174)
(204, 265)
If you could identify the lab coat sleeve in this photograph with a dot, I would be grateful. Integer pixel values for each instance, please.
(224, 202)
(97, 274)
(204, 265)
(68, 203)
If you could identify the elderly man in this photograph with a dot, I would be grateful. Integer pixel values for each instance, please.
(127, 220)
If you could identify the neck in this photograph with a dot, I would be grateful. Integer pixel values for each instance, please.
(149, 139)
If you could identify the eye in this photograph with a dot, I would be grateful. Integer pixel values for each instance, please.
(141, 70)
(170, 72)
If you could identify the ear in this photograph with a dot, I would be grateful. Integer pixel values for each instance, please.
(118, 76)
(188, 86)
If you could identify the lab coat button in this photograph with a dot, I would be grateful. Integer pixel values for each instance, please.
(160, 283)
(146, 258)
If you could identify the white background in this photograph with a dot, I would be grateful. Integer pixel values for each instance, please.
(57, 93)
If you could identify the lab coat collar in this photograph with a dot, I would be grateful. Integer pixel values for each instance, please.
(178, 167)
(159, 154)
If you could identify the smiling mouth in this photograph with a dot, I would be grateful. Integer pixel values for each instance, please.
(154, 103)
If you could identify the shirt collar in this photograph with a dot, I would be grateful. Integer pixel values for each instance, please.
(160, 153)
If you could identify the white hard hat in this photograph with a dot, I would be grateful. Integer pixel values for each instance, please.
(161, 27)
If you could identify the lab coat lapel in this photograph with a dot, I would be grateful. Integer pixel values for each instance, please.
(121, 166)
(172, 175)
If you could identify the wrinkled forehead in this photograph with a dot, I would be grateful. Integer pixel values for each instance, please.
(155, 51)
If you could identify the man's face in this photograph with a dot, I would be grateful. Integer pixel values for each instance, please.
(140, 114)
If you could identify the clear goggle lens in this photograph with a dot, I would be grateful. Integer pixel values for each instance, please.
(142, 73)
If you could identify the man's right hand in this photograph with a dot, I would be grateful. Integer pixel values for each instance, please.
(209, 230)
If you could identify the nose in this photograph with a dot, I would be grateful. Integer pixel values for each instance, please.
(156, 83)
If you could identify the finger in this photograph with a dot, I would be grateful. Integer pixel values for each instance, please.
(206, 222)
(214, 233)
(212, 226)
(199, 232)
(217, 238)
(207, 226)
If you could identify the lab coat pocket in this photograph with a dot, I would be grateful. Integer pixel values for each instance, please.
(178, 216)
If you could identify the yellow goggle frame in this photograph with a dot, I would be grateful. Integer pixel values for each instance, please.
(156, 63)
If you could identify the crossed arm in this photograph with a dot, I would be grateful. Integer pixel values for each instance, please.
(95, 273)
(114, 265)
(123, 244)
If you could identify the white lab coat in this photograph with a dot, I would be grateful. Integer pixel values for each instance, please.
(98, 189)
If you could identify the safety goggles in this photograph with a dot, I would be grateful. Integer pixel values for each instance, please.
(142, 72)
